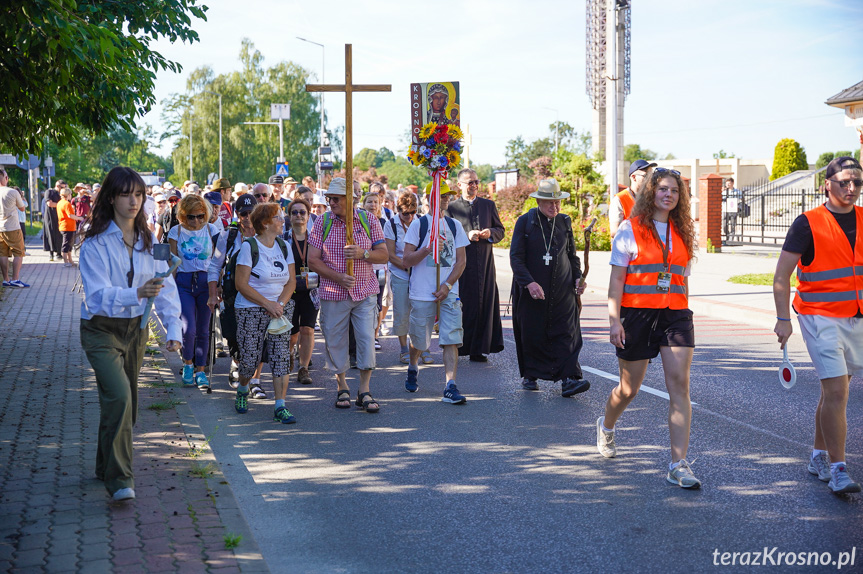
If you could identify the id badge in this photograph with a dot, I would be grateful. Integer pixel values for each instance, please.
(304, 270)
(663, 284)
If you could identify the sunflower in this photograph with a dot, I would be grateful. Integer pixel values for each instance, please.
(454, 158)
(455, 132)
(427, 130)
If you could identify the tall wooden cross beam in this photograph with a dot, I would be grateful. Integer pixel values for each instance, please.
(349, 88)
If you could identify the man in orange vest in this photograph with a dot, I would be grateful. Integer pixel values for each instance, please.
(623, 202)
(825, 244)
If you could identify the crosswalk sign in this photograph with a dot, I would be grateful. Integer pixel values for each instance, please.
(282, 169)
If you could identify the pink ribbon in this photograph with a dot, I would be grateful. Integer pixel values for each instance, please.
(434, 209)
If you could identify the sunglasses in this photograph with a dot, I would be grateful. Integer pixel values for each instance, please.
(264, 195)
(298, 212)
(471, 182)
(200, 216)
(409, 212)
(333, 199)
(657, 170)
(245, 214)
(858, 183)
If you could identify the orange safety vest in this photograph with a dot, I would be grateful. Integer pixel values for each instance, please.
(642, 275)
(627, 201)
(833, 284)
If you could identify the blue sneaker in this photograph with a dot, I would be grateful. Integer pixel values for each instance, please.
(201, 380)
(529, 384)
(188, 376)
(284, 416)
(18, 283)
(7, 284)
(452, 396)
(411, 385)
(241, 403)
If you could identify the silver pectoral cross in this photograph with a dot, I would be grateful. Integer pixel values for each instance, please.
(547, 258)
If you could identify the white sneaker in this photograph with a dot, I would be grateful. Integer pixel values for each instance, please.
(124, 494)
(682, 476)
(820, 467)
(841, 483)
(605, 440)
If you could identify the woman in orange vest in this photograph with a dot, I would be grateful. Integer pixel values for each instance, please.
(648, 311)
(825, 244)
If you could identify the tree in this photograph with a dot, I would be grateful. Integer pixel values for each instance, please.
(824, 159)
(721, 154)
(70, 69)
(365, 159)
(400, 170)
(249, 151)
(384, 154)
(632, 152)
(789, 156)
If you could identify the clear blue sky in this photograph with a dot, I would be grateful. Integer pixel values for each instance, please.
(706, 74)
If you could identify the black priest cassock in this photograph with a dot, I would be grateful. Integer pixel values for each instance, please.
(483, 332)
(547, 330)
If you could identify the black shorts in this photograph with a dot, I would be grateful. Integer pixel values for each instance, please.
(646, 330)
(68, 240)
(305, 313)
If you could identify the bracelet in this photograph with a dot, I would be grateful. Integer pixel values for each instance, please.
(781, 319)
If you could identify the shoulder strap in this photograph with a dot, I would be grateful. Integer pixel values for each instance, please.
(395, 229)
(283, 246)
(424, 229)
(364, 221)
(253, 247)
(451, 222)
(328, 223)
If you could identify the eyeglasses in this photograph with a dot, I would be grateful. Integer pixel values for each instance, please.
(245, 214)
(657, 170)
(471, 182)
(858, 183)
(299, 212)
(333, 199)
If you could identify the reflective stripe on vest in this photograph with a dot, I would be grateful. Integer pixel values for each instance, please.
(642, 274)
(832, 285)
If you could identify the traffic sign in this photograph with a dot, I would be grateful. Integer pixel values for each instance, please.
(280, 111)
(8, 159)
(282, 169)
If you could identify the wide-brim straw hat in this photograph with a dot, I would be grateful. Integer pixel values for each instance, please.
(549, 189)
(339, 186)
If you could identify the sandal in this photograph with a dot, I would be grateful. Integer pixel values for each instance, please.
(256, 392)
(343, 397)
(365, 402)
(426, 358)
(405, 358)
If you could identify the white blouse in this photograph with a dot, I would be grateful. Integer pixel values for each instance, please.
(104, 266)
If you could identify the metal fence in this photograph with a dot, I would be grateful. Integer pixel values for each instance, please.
(762, 213)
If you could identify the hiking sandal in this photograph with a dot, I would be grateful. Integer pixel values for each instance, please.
(365, 402)
(343, 397)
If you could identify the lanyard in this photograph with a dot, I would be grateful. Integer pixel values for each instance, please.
(305, 250)
(664, 246)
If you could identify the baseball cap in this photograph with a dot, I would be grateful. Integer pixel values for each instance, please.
(640, 164)
(241, 188)
(319, 200)
(175, 194)
(193, 188)
(159, 197)
(245, 203)
(444, 188)
(213, 197)
(168, 185)
(276, 179)
(840, 163)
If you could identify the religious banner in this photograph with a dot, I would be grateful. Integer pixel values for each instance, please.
(436, 102)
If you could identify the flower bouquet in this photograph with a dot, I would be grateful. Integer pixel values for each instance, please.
(438, 150)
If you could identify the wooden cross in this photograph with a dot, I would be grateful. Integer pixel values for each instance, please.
(466, 145)
(349, 88)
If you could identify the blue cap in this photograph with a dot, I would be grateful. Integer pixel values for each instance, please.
(213, 197)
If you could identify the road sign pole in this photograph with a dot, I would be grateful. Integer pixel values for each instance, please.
(281, 139)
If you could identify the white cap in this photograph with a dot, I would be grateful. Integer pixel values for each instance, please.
(241, 188)
(319, 200)
(157, 197)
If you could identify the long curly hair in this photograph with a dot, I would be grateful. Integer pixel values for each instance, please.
(119, 181)
(681, 215)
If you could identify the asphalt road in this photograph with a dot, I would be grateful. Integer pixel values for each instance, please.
(512, 481)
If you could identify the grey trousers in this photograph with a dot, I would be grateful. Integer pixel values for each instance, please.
(115, 348)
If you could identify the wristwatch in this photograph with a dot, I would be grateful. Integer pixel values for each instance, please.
(366, 254)
(448, 285)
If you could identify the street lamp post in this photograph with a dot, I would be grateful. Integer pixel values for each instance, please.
(323, 61)
(220, 129)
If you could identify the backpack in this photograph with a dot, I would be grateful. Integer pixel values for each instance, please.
(363, 217)
(229, 281)
(424, 228)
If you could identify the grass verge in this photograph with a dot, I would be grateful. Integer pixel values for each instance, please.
(758, 279)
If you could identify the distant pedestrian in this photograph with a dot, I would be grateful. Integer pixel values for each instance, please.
(622, 202)
(223, 209)
(394, 232)
(193, 240)
(825, 244)
(648, 303)
(52, 239)
(430, 296)
(22, 216)
(68, 224)
(546, 283)
(118, 275)
(11, 234)
(82, 202)
(306, 299)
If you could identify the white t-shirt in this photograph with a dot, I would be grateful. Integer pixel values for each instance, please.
(271, 270)
(624, 248)
(399, 238)
(195, 248)
(10, 201)
(423, 276)
(149, 207)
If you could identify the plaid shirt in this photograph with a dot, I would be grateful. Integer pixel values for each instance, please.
(333, 256)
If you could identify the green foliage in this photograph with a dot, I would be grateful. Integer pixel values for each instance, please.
(484, 171)
(249, 151)
(721, 154)
(632, 152)
(232, 540)
(365, 159)
(758, 278)
(789, 156)
(71, 69)
(824, 159)
(400, 170)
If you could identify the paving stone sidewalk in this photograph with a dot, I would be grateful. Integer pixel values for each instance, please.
(55, 516)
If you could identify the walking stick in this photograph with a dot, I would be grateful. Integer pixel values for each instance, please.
(211, 354)
(587, 231)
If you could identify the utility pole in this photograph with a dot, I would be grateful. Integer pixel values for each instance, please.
(611, 95)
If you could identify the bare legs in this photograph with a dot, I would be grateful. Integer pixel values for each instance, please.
(830, 423)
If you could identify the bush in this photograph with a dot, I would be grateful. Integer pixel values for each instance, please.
(789, 156)
(512, 199)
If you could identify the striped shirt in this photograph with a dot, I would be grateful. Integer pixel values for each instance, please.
(333, 256)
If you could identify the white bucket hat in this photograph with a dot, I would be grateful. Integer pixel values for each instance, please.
(549, 189)
(339, 186)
